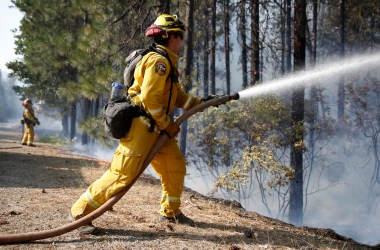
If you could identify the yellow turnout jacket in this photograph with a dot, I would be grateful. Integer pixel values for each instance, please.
(152, 87)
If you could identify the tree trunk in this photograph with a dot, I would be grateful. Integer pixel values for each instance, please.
(227, 44)
(255, 50)
(296, 157)
(65, 126)
(243, 36)
(164, 7)
(288, 36)
(86, 111)
(212, 89)
(206, 55)
(73, 120)
(341, 91)
(283, 29)
(313, 88)
(188, 54)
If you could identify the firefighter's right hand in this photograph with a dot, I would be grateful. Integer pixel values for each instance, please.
(172, 130)
(211, 97)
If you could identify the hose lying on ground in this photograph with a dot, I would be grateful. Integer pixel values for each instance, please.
(24, 237)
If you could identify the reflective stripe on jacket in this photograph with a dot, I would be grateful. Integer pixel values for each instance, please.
(153, 82)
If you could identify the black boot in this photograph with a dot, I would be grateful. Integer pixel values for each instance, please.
(86, 229)
(179, 219)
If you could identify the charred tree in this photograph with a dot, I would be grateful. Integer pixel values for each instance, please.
(226, 5)
(297, 114)
(341, 91)
(313, 88)
(86, 111)
(65, 125)
(243, 41)
(282, 30)
(288, 9)
(255, 50)
(73, 120)
(164, 7)
(206, 53)
(188, 58)
(212, 89)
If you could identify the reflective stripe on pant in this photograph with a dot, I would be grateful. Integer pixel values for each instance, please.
(28, 137)
(126, 164)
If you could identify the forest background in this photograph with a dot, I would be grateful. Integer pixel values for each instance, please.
(308, 156)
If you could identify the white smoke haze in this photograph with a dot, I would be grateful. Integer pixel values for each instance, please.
(339, 187)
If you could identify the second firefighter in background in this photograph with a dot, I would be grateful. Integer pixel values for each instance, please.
(29, 121)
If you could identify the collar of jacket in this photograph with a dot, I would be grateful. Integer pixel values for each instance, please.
(173, 57)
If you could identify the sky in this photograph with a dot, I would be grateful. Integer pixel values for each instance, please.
(10, 19)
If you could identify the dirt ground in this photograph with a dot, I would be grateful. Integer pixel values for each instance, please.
(39, 185)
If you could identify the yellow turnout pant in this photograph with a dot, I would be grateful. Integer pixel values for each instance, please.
(127, 161)
(28, 137)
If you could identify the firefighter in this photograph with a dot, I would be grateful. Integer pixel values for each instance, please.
(157, 90)
(30, 120)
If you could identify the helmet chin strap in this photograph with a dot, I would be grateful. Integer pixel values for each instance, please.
(166, 35)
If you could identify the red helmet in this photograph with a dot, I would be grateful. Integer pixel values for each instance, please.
(26, 102)
(165, 23)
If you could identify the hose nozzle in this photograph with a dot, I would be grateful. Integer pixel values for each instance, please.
(234, 96)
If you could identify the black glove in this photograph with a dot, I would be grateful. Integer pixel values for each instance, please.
(38, 122)
(210, 97)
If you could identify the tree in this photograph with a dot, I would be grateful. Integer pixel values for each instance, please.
(243, 41)
(188, 54)
(206, 53)
(341, 90)
(164, 7)
(74, 53)
(255, 41)
(288, 10)
(297, 144)
(226, 25)
(213, 48)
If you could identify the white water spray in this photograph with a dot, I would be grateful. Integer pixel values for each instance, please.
(322, 74)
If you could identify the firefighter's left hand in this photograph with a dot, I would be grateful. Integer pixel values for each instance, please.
(172, 130)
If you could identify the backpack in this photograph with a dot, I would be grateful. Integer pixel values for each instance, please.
(118, 114)
(135, 56)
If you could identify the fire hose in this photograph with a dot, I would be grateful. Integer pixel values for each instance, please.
(31, 236)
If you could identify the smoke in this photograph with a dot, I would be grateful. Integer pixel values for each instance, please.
(10, 103)
(340, 191)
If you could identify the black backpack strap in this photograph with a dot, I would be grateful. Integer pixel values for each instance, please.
(141, 112)
(172, 74)
(173, 77)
